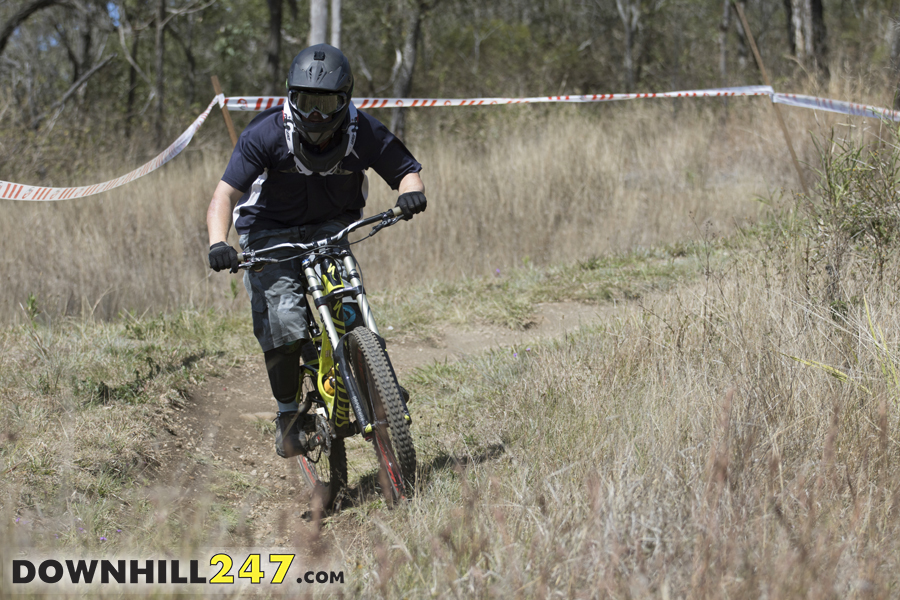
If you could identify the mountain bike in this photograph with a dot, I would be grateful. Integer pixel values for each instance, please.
(351, 387)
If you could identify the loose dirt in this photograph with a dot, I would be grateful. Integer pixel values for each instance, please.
(218, 451)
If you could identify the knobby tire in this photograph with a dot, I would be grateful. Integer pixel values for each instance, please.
(380, 397)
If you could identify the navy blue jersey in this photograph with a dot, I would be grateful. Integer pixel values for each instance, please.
(277, 195)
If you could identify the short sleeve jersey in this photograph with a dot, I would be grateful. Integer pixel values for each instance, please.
(277, 195)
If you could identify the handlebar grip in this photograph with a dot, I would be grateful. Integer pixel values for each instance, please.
(396, 211)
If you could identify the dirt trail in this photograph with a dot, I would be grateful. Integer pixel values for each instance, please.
(219, 448)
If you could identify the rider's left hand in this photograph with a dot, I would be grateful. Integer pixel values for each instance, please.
(411, 203)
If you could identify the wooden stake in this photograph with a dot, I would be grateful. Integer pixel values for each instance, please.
(228, 123)
(765, 76)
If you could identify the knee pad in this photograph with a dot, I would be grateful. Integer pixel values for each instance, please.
(283, 367)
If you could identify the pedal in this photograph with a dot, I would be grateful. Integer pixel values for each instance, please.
(313, 441)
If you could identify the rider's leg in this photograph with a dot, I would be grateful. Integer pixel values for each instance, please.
(279, 310)
(283, 367)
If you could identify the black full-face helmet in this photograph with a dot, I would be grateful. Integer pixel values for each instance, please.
(319, 87)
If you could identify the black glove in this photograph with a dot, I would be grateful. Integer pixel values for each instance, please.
(222, 256)
(411, 203)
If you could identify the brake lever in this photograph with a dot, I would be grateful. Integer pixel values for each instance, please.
(378, 228)
(257, 260)
(386, 222)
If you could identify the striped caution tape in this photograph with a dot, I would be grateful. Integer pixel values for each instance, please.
(836, 106)
(258, 103)
(18, 191)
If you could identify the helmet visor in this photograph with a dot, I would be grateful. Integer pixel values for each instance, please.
(306, 103)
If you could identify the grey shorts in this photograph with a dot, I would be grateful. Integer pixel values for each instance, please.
(276, 292)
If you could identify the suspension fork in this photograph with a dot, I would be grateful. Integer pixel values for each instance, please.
(315, 288)
(351, 269)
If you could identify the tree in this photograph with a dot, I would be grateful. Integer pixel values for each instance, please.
(723, 42)
(275, 78)
(895, 59)
(809, 35)
(819, 34)
(415, 11)
(336, 23)
(159, 89)
(318, 21)
(631, 12)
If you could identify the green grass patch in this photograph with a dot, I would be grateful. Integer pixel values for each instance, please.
(81, 403)
(509, 298)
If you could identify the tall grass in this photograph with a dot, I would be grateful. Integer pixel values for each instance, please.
(530, 186)
(735, 437)
(676, 450)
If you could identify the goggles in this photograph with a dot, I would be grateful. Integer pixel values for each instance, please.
(306, 103)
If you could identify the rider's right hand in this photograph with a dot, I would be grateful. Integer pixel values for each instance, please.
(222, 256)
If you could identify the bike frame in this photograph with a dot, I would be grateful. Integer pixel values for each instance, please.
(327, 288)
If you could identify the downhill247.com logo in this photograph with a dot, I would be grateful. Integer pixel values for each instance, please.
(221, 570)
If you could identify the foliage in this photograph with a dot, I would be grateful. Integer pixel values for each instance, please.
(855, 207)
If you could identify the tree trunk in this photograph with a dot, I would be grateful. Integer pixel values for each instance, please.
(630, 14)
(160, 75)
(798, 22)
(723, 42)
(819, 42)
(273, 50)
(336, 23)
(403, 83)
(743, 50)
(87, 41)
(70, 53)
(188, 45)
(87, 44)
(186, 41)
(318, 21)
(132, 87)
(789, 21)
(895, 59)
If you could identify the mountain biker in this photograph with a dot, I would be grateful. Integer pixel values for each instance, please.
(296, 175)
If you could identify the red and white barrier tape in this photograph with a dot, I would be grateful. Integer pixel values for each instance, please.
(836, 106)
(257, 103)
(17, 191)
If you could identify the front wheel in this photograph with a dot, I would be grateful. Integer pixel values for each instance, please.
(380, 398)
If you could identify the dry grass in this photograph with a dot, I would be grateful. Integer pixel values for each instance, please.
(733, 438)
(538, 186)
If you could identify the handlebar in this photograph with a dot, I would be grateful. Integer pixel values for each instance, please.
(385, 219)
